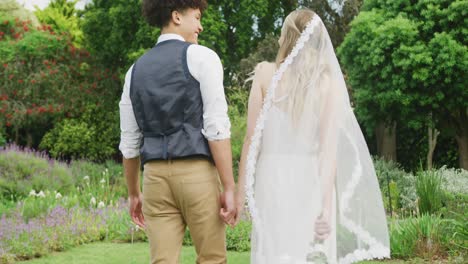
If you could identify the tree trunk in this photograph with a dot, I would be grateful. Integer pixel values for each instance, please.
(29, 140)
(17, 136)
(386, 141)
(433, 133)
(462, 140)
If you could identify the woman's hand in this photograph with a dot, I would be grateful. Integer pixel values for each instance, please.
(240, 203)
(322, 226)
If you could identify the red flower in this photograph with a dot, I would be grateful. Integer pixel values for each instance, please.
(2, 33)
(5, 65)
(33, 81)
(8, 124)
(8, 116)
(46, 62)
(20, 81)
(29, 111)
(26, 28)
(6, 22)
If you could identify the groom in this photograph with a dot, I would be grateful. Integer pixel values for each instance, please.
(174, 122)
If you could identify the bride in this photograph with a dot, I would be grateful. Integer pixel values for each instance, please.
(309, 180)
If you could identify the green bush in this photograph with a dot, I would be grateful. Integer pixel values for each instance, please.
(25, 170)
(2, 140)
(454, 180)
(402, 186)
(418, 237)
(429, 190)
(237, 99)
(237, 239)
(93, 136)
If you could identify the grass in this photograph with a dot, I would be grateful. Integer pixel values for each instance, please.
(103, 253)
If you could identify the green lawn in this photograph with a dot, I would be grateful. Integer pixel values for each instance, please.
(113, 253)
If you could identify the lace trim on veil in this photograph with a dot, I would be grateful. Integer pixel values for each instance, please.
(376, 249)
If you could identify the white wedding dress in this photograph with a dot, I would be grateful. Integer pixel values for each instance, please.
(307, 148)
(288, 194)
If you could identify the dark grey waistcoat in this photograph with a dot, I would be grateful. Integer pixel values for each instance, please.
(167, 103)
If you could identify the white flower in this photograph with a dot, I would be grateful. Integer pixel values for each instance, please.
(86, 178)
(93, 201)
(103, 181)
(78, 188)
(101, 204)
(41, 194)
(32, 193)
(58, 196)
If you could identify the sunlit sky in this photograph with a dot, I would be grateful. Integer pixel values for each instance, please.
(29, 4)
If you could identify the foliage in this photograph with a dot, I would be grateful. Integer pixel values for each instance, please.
(405, 61)
(422, 237)
(57, 230)
(2, 140)
(26, 170)
(62, 16)
(454, 180)
(429, 190)
(115, 30)
(237, 99)
(266, 51)
(402, 187)
(336, 15)
(45, 79)
(238, 238)
(93, 136)
(14, 9)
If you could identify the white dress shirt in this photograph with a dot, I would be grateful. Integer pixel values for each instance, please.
(205, 66)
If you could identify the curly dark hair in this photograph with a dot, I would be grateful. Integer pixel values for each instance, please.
(158, 12)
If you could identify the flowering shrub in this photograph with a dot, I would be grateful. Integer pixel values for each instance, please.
(25, 169)
(45, 79)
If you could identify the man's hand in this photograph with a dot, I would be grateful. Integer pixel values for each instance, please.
(228, 207)
(135, 210)
(322, 227)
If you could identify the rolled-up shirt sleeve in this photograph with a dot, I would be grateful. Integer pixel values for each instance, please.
(206, 67)
(130, 133)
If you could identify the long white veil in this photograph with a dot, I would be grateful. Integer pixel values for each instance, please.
(309, 87)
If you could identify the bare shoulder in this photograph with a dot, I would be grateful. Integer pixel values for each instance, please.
(265, 68)
(264, 71)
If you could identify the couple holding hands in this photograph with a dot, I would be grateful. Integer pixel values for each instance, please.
(305, 169)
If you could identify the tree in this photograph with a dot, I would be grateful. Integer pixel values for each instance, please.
(63, 17)
(116, 33)
(45, 79)
(336, 15)
(405, 61)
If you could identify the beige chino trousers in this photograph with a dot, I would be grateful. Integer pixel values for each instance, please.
(179, 194)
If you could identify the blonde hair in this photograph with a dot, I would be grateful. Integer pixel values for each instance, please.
(293, 26)
(295, 81)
